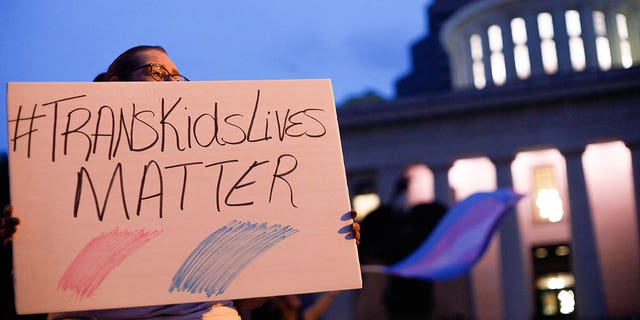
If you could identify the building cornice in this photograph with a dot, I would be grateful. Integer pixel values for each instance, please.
(534, 91)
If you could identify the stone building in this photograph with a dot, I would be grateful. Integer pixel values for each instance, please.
(540, 96)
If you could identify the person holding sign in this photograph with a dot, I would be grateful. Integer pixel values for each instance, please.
(152, 63)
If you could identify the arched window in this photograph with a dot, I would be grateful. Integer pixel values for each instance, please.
(520, 49)
(475, 43)
(547, 44)
(602, 42)
(576, 47)
(498, 71)
(625, 45)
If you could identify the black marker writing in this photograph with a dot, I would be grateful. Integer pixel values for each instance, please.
(231, 189)
(16, 133)
(99, 210)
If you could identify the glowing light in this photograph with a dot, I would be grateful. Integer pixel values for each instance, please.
(549, 204)
(545, 25)
(567, 301)
(494, 34)
(604, 53)
(541, 253)
(363, 204)
(549, 304)
(479, 81)
(555, 283)
(562, 251)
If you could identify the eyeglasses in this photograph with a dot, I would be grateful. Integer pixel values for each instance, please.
(159, 73)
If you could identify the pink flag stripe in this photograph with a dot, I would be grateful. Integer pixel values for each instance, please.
(99, 257)
(459, 239)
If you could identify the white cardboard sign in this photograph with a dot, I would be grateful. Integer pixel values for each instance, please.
(141, 193)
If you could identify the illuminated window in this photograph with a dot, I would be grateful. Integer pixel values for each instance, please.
(548, 203)
(561, 250)
(567, 301)
(625, 46)
(520, 49)
(547, 44)
(475, 43)
(556, 293)
(541, 253)
(554, 282)
(576, 47)
(498, 71)
(603, 50)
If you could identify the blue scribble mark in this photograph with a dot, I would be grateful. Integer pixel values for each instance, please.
(219, 259)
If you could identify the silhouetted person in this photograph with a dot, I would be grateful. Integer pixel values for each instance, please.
(391, 233)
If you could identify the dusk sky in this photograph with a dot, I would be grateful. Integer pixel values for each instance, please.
(361, 45)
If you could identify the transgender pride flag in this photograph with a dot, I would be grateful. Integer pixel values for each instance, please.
(459, 239)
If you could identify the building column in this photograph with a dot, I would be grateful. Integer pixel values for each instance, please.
(442, 189)
(589, 37)
(635, 166)
(461, 62)
(517, 295)
(590, 298)
(486, 56)
(533, 43)
(507, 49)
(561, 39)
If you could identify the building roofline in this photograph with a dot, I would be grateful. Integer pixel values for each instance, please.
(539, 90)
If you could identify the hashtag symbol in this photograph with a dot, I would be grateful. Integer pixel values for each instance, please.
(20, 132)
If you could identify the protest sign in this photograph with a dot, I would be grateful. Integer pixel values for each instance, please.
(143, 193)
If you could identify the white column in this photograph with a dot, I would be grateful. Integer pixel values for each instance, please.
(561, 39)
(533, 43)
(517, 293)
(589, 37)
(590, 298)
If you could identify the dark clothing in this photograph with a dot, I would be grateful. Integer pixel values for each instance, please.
(388, 236)
(7, 306)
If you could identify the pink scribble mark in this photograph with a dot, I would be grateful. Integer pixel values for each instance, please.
(99, 257)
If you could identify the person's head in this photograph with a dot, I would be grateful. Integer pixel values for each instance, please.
(142, 63)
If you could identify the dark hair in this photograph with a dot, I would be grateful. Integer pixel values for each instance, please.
(126, 61)
(101, 77)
